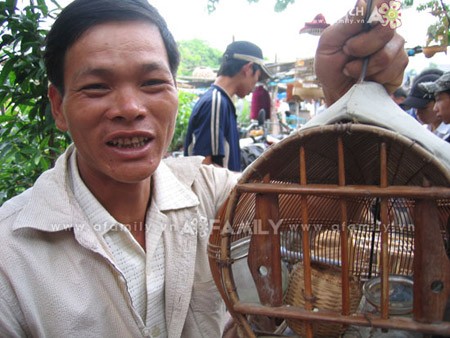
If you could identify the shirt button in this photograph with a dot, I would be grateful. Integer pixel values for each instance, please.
(152, 333)
(156, 332)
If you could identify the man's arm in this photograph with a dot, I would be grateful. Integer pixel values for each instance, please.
(217, 160)
(343, 47)
(12, 322)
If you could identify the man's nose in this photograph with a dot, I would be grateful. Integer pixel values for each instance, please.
(127, 105)
(435, 107)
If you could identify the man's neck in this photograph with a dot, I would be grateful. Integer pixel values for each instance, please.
(227, 84)
(127, 203)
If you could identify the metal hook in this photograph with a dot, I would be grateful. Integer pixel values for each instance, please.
(367, 27)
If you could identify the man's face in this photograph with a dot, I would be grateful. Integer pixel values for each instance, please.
(426, 114)
(249, 81)
(120, 101)
(442, 106)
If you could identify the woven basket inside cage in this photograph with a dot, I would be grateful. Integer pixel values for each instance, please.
(327, 295)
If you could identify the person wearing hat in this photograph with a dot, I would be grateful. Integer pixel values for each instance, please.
(399, 95)
(423, 102)
(212, 130)
(440, 88)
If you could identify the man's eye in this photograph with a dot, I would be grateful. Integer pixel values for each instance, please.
(154, 82)
(94, 86)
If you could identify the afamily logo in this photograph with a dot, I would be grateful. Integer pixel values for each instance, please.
(386, 14)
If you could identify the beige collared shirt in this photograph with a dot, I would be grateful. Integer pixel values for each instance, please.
(58, 279)
(142, 271)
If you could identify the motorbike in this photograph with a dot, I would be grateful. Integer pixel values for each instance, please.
(255, 140)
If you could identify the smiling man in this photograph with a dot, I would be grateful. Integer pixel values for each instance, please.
(109, 242)
(119, 105)
(112, 241)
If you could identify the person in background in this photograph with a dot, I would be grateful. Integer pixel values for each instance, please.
(427, 71)
(212, 130)
(423, 102)
(399, 95)
(260, 100)
(283, 110)
(440, 88)
(322, 106)
(112, 241)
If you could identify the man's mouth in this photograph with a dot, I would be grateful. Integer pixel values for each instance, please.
(129, 142)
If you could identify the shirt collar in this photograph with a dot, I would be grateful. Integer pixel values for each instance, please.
(99, 218)
(168, 193)
(172, 192)
(50, 206)
(443, 130)
(214, 85)
(53, 205)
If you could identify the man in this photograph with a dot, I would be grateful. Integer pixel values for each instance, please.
(441, 91)
(112, 241)
(423, 102)
(212, 131)
(261, 100)
(399, 96)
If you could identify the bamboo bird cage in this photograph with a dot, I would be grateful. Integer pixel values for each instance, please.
(322, 213)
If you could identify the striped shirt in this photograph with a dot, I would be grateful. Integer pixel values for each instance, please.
(212, 129)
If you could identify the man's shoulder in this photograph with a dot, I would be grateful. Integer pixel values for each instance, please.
(184, 168)
(49, 192)
(189, 169)
(210, 183)
(214, 93)
(12, 208)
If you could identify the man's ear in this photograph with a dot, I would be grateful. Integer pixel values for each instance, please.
(56, 101)
(248, 68)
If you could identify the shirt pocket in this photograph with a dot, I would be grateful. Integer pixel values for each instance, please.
(206, 297)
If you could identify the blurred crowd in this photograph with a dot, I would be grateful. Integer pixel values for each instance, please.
(428, 101)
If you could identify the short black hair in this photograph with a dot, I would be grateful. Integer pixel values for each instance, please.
(231, 67)
(80, 15)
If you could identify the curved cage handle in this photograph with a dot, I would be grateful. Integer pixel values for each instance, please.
(367, 27)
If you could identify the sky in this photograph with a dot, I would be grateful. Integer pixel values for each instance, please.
(278, 33)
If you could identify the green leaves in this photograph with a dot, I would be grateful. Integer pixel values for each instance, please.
(29, 141)
(196, 53)
(185, 105)
(407, 3)
(438, 33)
(10, 5)
(281, 5)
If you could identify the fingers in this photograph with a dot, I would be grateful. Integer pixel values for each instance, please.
(344, 46)
(369, 42)
(386, 66)
(389, 53)
(389, 63)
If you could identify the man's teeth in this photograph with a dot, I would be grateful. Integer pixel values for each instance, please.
(133, 142)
